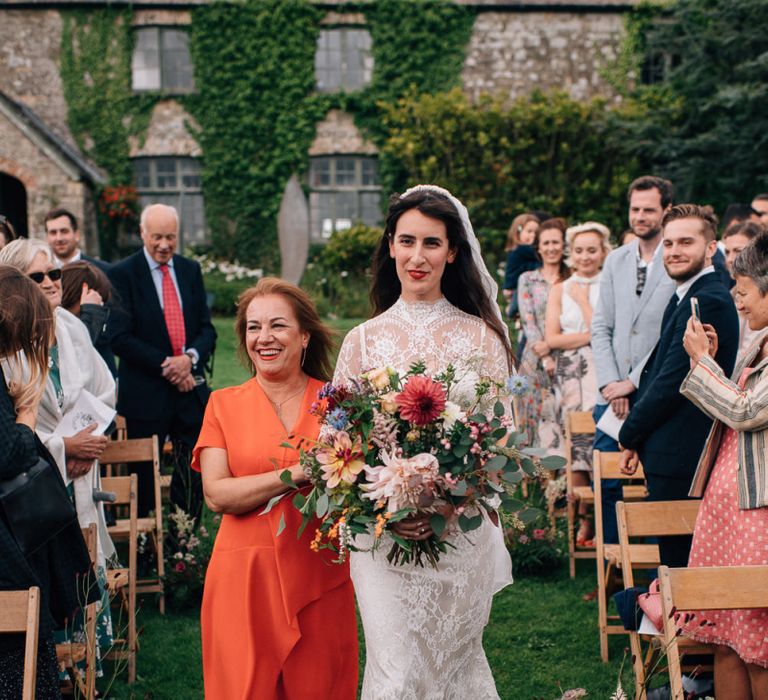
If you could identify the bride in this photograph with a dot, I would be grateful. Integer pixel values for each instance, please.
(434, 301)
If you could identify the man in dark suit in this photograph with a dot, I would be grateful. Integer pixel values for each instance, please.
(162, 333)
(63, 235)
(664, 430)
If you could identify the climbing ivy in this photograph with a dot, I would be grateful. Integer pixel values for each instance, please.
(96, 75)
(256, 103)
(258, 110)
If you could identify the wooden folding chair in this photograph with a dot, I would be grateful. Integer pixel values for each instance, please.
(20, 612)
(122, 582)
(605, 465)
(649, 519)
(71, 654)
(132, 451)
(706, 588)
(576, 423)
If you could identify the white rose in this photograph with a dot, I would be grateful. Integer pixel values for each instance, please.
(451, 413)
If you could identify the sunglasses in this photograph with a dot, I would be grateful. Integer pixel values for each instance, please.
(38, 277)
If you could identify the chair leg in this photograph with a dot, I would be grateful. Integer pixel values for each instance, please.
(638, 665)
(570, 514)
(602, 608)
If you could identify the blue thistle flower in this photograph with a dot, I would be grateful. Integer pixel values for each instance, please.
(518, 385)
(338, 419)
(326, 390)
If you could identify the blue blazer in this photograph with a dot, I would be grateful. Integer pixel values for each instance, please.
(139, 336)
(665, 428)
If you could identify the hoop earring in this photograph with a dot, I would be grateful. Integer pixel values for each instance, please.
(303, 355)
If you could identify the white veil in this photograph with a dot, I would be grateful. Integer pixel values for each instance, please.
(490, 287)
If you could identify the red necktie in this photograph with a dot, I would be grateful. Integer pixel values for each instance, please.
(174, 318)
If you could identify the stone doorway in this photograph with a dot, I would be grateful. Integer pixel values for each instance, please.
(13, 203)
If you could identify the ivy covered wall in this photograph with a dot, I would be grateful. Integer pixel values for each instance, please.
(255, 100)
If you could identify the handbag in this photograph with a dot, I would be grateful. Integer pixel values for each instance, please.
(650, 604)
(36, 506)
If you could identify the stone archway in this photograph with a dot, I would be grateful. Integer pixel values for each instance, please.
(13, 203)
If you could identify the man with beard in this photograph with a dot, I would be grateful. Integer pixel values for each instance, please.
(634, 290)
(664, 430)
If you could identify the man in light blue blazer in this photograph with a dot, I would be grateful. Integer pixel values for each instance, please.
(634, 291)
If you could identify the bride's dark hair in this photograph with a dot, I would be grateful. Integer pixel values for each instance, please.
(460, 284)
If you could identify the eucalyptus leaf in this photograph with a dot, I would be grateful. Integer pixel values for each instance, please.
(467, 524)
(553, 462)
(498, 409)
(496, 463)
(299, 500)
(271, 503)
(437, 523)
(287, 479)
(512, 477)
(321, 507)
(281, 525)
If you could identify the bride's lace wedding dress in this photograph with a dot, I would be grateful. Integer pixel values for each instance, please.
(424, 626)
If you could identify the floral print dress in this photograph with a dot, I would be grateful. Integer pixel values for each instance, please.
(536, 410)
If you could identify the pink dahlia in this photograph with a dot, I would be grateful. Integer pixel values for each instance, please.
(422, 400)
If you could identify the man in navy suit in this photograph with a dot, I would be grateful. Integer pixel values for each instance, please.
(664, 430)
(163, 335)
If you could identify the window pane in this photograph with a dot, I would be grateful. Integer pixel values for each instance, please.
(141, 174)
(346, 209)
(343, 59)
(165, 169)
(320, 172)
(345, 171)
(192, 218)
(370, 171)
(145, 64)
(176, 60)
(370, 208)
(191, 178)
(321, 208)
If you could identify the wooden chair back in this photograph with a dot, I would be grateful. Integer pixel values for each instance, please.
(144, 450)
(125, 489)
(20, 612)
(649, 519)
(576, 423)
(701, 589)
(605, 465)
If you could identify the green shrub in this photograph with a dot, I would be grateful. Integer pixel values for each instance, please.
(545, 152)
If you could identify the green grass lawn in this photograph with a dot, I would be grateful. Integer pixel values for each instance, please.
(541, 637)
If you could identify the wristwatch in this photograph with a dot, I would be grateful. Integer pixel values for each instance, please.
(193, 355)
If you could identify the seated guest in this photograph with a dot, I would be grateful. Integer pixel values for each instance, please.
(663, 430)
(75, 367)
(521, 256)
(278, 620)
(536, 412)
(732, 475)
(85, 292)
(7, 233)
(61, 565)
(736, 239)
(567, 331)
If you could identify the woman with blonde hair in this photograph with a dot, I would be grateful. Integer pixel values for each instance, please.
(61, 565)
(567, 331)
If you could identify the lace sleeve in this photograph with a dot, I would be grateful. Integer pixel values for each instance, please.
(349, 361)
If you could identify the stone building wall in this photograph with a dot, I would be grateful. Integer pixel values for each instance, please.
(512, 53)
(47, 183)
(30, 43)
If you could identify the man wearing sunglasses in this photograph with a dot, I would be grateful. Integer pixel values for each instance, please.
(63, 235)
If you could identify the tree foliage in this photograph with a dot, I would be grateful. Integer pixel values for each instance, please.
(706, 126)
(545, 152)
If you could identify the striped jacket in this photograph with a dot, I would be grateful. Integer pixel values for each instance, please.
(744, 410)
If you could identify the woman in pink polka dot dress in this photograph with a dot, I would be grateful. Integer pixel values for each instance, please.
(732, 527)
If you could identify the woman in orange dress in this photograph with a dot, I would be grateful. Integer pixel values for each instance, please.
(278, 620)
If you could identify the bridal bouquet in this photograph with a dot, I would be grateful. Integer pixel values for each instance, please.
(391, 445)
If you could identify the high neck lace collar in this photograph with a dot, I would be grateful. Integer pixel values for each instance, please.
(421, 311)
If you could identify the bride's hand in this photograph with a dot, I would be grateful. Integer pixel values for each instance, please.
(414, 527)
(417, 527)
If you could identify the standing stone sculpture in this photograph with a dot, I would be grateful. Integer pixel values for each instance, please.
(293, 231)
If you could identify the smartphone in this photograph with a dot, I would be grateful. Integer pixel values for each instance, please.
(695, 309)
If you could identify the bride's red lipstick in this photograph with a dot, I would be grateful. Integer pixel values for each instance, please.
(417, 274)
